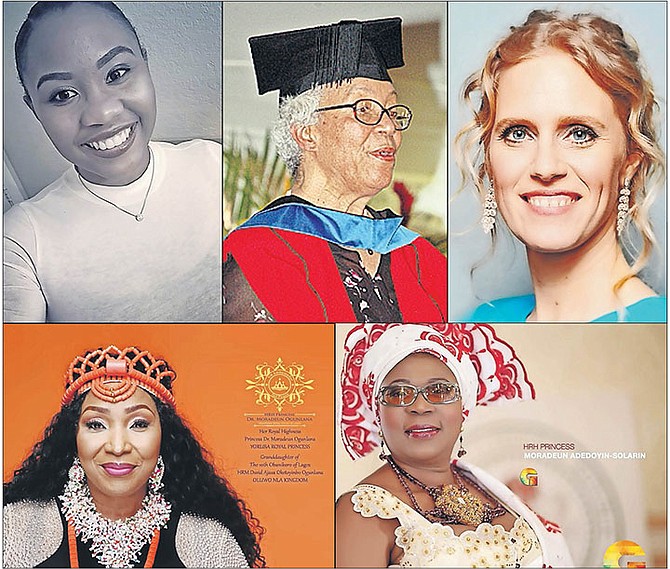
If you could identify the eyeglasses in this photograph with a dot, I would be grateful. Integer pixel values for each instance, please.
(371, 112)
(402, 395)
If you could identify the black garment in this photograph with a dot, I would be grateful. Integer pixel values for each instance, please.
(373, 298)
(166, 554)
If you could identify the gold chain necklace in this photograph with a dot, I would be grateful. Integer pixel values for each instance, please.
(140, 215)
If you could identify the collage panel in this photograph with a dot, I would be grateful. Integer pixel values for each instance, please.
(112, 162)
(561, 442)
(335, 162)
(254, 398)
(558, 117)
(155, 425)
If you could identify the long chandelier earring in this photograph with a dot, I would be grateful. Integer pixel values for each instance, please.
(155, 482)
(76, 474)
(490, 209)
(623, 207)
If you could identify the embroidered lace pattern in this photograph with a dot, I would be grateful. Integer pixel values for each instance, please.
(427, 544)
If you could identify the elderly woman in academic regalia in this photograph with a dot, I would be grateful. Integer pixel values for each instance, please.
(320, 254)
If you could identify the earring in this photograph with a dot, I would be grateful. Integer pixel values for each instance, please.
(383, 453)
(155, 480)
(490, 209)
(461, 450)
(624, 204)
(76, 473)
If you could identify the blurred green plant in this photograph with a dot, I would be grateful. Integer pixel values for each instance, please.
(252, 179)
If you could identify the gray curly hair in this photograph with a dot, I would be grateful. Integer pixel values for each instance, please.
(299, 110)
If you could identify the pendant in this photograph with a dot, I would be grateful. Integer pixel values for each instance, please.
(139, 217)
(460, 502)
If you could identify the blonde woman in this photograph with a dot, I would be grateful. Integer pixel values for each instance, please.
(562, 145)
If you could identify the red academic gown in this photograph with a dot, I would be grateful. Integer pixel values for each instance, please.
(296, 278)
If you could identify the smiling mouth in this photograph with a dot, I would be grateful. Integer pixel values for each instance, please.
(112, 142)
(550, 201)
(386, 154)
(115, 469)
(422, 431)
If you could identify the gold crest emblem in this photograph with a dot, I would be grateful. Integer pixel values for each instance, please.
(281, 385)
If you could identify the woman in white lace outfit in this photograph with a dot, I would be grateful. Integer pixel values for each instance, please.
(408, 389)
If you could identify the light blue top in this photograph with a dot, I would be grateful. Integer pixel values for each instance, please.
(518, 308)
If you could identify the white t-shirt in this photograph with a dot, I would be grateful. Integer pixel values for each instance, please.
(71, 257)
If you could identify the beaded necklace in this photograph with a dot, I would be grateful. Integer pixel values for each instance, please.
(454, 503)
(74, 555)
(114, 543)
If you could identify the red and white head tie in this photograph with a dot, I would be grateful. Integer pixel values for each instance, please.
(113, 375)
(486, 368)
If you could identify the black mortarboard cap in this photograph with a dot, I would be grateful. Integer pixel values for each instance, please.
(298, 60)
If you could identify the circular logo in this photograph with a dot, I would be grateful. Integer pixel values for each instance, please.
(528, 477)
(624, 553)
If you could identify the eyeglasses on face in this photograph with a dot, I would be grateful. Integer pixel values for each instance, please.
(404, 395)
(371, 112)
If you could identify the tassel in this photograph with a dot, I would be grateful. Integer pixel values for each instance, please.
(338, 53)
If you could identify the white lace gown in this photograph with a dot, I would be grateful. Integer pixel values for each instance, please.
(431, 544)
(531, 542)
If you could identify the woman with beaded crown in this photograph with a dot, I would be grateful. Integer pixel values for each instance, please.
(131, 231)
(408, 390)
(563, 146)
(119, 480)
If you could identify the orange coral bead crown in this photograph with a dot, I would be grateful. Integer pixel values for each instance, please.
(113, 375)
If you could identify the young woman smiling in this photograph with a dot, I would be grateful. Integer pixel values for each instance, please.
(563, 146)
(131, 231)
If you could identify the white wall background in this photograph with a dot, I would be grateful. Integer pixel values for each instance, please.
(473, 29)
(183, 40)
